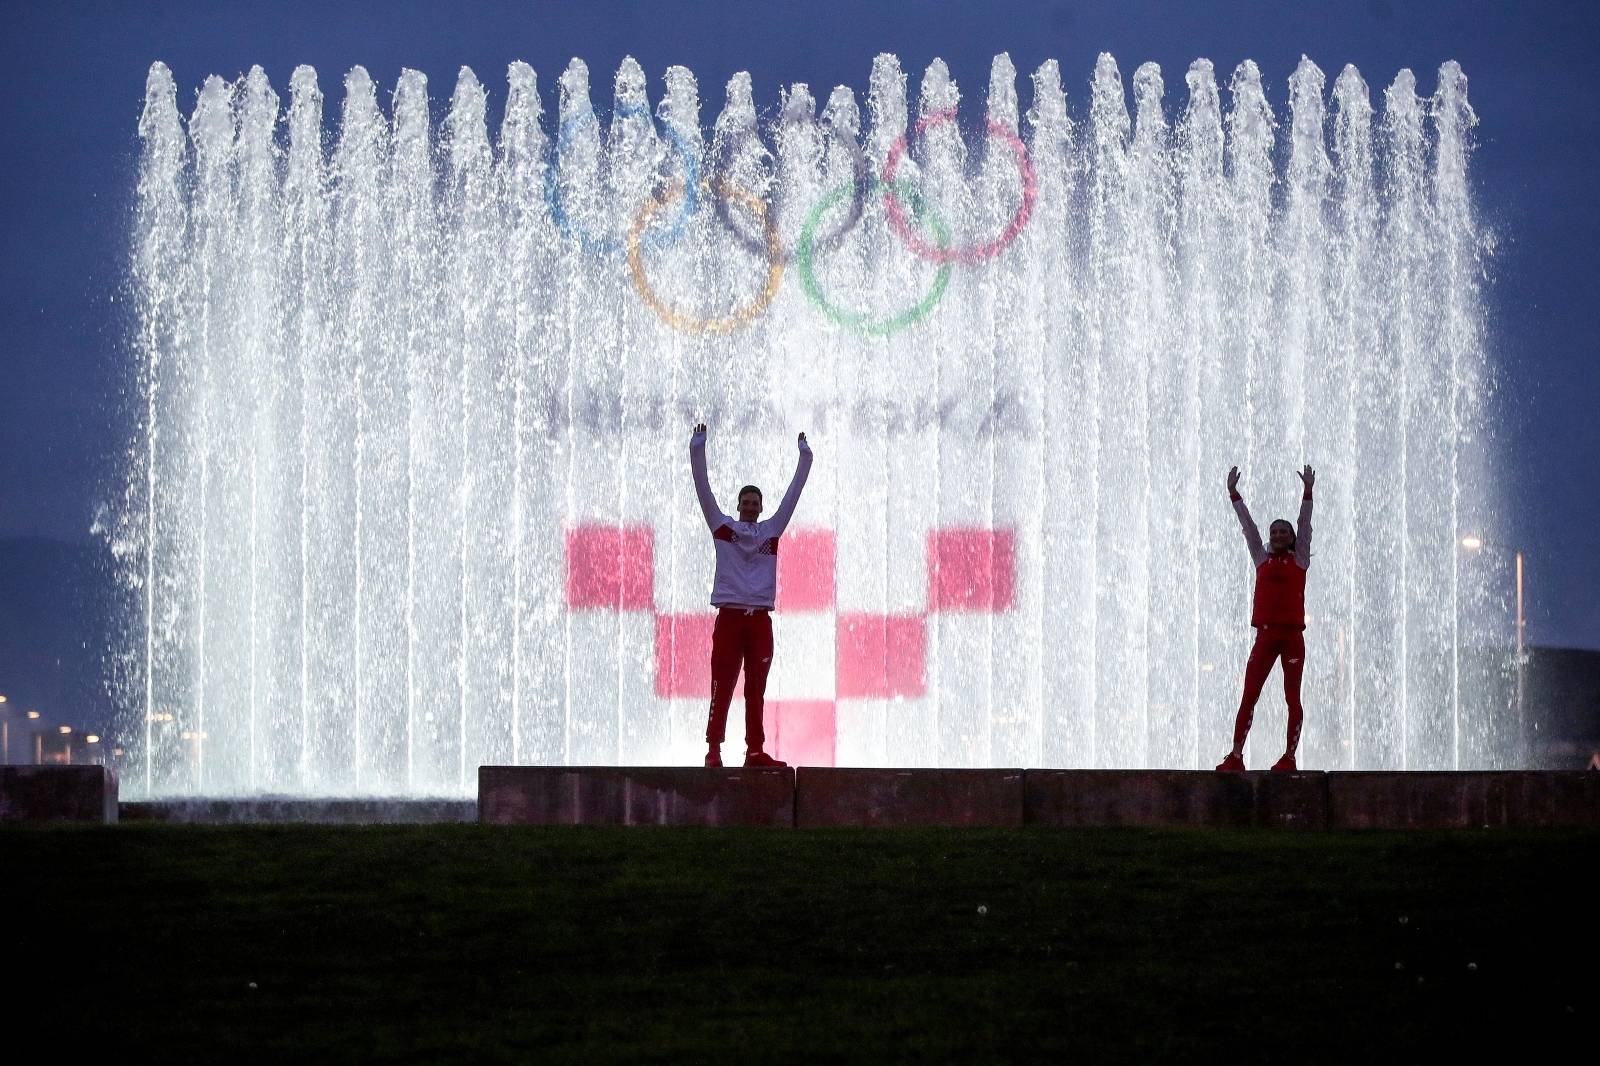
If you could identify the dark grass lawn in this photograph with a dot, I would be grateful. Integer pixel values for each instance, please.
(470, 943)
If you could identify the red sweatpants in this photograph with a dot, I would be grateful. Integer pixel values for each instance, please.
(741, 638)
(1271, 642)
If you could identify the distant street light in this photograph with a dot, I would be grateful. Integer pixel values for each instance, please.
(38, 740)
(1472, 542)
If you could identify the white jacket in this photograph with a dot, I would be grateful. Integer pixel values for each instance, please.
(747, 552)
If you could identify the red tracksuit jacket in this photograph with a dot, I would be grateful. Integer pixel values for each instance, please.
(1280, 598)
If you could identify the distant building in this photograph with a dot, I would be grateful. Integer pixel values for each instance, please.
(1563, 701)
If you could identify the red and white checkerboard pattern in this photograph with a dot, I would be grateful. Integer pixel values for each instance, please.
(874, 656)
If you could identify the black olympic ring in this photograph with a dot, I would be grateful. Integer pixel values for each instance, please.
(759, 246)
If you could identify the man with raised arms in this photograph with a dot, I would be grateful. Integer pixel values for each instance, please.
(743, 592)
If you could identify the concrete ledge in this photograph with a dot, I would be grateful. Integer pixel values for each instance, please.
(826, 796)
(1463, 800)
(1137, 797)
(1290, 801)
(830, 796)
(641, 795)
(58, 794)
(256, 810)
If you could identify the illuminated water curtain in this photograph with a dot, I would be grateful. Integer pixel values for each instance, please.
(410, 490)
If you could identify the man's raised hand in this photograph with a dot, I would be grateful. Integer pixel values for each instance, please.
(700, 428)
(802, 441)
(1233, 481)
(1307, 477)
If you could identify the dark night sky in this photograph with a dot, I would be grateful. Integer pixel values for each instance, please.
(72, 80)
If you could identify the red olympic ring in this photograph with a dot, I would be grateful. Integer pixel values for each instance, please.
(932, 252)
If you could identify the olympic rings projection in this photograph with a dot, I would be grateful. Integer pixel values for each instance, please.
(860, 320)
(740, 316)
(736, 206)
(971, 253)
(610, 245)
(859, 168)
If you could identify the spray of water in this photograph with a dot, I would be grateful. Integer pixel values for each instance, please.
(391, 377)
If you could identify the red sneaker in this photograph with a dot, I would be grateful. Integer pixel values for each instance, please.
(762, 759)
(713, 758)
(1285, 765)
(1233, 764)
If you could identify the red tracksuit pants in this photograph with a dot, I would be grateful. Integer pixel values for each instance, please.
(742, 638)
(1271, 643)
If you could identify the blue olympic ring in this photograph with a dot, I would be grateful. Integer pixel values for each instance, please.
(605, 246)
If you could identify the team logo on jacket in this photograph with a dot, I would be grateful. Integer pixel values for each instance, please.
(770, 547)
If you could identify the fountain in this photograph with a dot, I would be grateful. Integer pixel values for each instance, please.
(410, 493)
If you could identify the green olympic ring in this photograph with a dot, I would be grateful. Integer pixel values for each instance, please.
(860, 320)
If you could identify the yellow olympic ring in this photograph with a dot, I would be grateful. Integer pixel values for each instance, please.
(740, 316)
